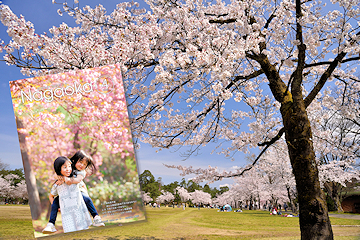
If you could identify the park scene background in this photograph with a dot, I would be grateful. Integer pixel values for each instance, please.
(335, 171)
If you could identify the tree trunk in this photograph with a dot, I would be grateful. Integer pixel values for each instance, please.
(250, 204)
(290, 200)
(338, 204)
(34, 198)
(333, 191)
(314, 219)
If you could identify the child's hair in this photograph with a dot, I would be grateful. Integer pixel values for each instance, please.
(80, 155)
(58, 163)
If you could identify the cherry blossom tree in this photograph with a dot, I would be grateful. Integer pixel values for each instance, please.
(199, 197)
(223, 199)
(244, 72)
(251, 187)
(11, 189)
(165, 197)
(21, 190)
(183, 193)
(146, 197)
(271, 180)
(229, 197)
(12, 183)
(6, 188)
(335, 122)
(279, 181)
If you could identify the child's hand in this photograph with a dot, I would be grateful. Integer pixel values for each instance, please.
(68, 180)
(60, 180)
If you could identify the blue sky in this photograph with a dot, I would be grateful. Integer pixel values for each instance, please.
(42, 13)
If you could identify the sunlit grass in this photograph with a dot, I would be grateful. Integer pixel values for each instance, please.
(15, 222)
(175, 223)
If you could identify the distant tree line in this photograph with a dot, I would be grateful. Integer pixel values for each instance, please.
(155, 187)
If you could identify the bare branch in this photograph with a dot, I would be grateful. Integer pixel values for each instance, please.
(274, 139)
(329, 62)
(266, 144)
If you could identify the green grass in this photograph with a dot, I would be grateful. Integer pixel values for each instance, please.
(15, 222)
(175, 223)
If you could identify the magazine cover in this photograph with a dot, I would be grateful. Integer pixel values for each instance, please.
(77, 150)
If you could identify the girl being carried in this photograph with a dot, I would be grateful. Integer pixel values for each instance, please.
(82, 165)
(74, 213)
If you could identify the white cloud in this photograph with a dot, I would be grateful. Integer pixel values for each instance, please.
(224, 185)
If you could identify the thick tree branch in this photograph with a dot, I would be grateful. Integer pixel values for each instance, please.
(269, 20)
(222, 21)
(297, 79)
(143, 63)
(248, 77)
(324, 77)
(277, 86)
(329, 62)
(339, 58)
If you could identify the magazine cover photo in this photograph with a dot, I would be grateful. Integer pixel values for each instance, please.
(77, 150)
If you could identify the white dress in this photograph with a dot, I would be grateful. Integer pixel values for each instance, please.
(74, 213)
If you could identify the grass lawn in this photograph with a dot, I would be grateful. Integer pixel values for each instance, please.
(175, 223)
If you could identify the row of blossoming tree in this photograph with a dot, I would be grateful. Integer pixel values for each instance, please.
(270, 182)
(198, 197)
(176, 192)
(240, 74)
(12, 185)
